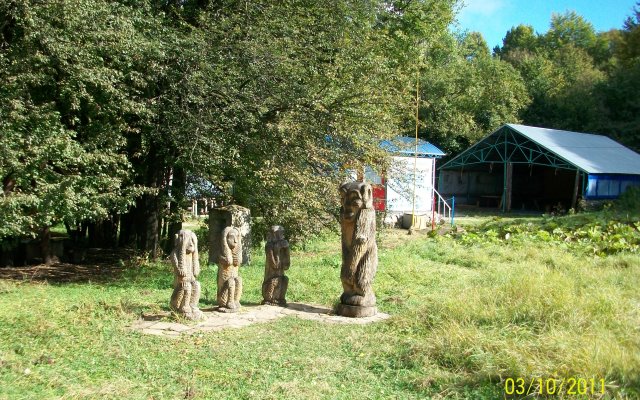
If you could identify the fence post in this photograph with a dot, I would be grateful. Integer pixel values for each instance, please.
(453, 208)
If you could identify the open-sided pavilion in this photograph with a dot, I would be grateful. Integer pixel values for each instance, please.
(530, 167)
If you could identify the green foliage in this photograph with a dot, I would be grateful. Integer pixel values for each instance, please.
(263, 101)
(113, 109)
(622, 91)
(62, 106)
(598, 233)
(465, 93)
(572, 29)
(629, 47)
(305, 98)
(579, 79)
(629, 201)
(519, 38)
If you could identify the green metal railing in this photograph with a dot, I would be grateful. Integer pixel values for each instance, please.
(443, 208)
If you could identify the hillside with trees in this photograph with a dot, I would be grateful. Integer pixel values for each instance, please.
(113, 114)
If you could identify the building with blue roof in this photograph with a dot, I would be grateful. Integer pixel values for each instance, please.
(393, 190)
(406, 146)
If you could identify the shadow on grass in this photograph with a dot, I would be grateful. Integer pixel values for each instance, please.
(101, 265)
(309, 308)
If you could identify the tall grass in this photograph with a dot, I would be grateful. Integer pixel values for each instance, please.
(465, 317)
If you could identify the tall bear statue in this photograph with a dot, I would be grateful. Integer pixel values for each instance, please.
(359, 250)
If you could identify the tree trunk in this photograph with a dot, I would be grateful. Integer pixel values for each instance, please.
(509, 190)
(178, 189)
(45, 246)
(126, 229)
(8, 183)
(146, 214)
(574, 198)
(147, 225)
(104, 233)
(76, 232)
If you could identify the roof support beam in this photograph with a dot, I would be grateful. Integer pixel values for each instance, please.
(506, 145)
(574, 199)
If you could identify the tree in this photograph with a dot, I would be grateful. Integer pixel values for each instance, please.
(62, 115)
(519, 38)
(629, 48)
(466, 93)
(570, 28)
(473, 45)
(313, 88)
(621, 91)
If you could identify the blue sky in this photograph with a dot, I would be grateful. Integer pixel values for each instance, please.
(493, 18)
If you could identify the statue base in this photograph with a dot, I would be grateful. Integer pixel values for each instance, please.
(274, 303)
(195, 315)
(346, 310)
(228, 310)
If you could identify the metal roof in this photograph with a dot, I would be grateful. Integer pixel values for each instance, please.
(594, 154)
(406, 146)
(521, 144)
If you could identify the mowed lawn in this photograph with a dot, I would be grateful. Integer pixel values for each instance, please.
(465, 319)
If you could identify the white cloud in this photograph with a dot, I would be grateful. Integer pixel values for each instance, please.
(481, 8)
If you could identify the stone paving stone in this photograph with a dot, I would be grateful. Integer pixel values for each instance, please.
(155, 316)
(239, 323)
(208, 329)
(288, 311)
(179, 328)
(140, 324)
(165, 326)
(155, 332)
(215, 321)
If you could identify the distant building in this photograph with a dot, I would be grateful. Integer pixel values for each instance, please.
(519, 166)
(393, 189)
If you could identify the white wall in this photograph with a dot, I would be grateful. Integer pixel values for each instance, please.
(400, 185)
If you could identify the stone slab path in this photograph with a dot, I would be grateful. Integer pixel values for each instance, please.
(216, 321)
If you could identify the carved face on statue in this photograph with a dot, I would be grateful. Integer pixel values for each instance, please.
(187, 240)
(355, 196)
(275, 234)
(232, 239)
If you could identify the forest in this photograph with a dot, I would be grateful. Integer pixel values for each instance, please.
(115, 114)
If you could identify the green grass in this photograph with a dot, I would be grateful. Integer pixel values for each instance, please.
(465, 317)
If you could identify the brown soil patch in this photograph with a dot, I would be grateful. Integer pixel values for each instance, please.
(100, 265)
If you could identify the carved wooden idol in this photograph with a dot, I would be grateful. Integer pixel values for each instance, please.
(229, 281)
(359, 250)
(274, 286)
(186, 268)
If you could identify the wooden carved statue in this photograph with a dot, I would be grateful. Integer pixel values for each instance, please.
(359, 250)
(274, 286)
(229, 281)
(186, 268)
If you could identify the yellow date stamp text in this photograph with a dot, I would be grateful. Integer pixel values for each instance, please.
(553, 386)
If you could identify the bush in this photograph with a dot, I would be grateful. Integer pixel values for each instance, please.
(629, 200)
(600, 233)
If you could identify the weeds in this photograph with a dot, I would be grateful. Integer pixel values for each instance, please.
(466, 315)
(599, 234)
